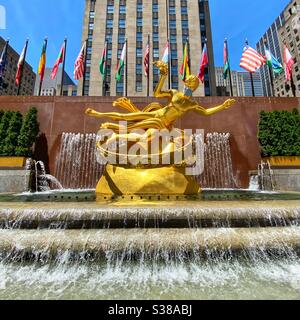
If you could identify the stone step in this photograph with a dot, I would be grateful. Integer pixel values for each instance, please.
(174, 215)
(45, 244)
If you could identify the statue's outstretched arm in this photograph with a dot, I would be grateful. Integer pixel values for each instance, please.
(158, 92)
(207, 112)
(120, 116)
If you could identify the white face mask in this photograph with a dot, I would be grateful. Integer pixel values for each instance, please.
(187, 91)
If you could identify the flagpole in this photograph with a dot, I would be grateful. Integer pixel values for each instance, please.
(63, 68)
(169, 48)
(42, 79)
(4, 53)
(104, 76)
(148, 75)
(189, 54)
(21, 77)
(293, 87)
(270, 71)
(251, 76)
(207, 52)
(229, 68)
(84, 71)
(126, 69)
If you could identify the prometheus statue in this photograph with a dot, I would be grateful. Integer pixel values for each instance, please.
(120, 179)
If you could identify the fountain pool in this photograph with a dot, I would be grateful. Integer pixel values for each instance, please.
(189, 249)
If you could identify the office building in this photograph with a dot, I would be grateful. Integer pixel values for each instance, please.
(285, 29)
(114, 21)
(9, 79)
(241, 84)
(52, 87)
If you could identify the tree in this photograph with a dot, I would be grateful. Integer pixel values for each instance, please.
(1, 114)
(28, 134)
(4, 124)
(279, 133)
(12, 134)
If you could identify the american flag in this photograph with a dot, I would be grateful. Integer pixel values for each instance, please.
(147, 59)
(251, 60)
(79, 64)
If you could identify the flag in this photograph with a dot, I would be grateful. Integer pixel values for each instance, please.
(121, 63)
(20, 65)
(42, 63)
(58, 61)
(272, 62)
(288, 63)
(226, 61)
(102, 64)
(203, 64)
(79, 63)
(251, 60)
(147, 59)
(3, 60)
(165, 57)
(185, 67)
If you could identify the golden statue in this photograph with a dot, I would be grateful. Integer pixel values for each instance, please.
(120, 179)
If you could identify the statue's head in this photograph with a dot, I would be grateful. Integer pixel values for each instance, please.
(192, 82)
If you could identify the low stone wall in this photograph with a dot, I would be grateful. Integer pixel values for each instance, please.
(284, 179)
(13, 180)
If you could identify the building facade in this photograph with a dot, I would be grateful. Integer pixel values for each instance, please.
(285, 29)
(52, 87)
(241, 84)
(289, 34)
(245, 86)
(223, 86)
(9, 79)
(115, 21)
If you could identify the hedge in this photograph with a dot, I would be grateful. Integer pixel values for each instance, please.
(18, 134)
(279, 133)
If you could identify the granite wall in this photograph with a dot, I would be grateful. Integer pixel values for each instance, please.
(66, 114)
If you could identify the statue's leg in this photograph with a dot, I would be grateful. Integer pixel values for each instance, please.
(154, 123)
(136, 116)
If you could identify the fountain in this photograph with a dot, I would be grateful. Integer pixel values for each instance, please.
(220, 243)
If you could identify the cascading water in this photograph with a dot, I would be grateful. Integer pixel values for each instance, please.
(189, 250)
(77, 166)
(218, 172)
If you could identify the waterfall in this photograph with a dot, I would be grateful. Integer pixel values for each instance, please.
(218, 171)
(78, 165)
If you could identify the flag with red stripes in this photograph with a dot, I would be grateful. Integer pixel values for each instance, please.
(288, 63)
(251, 60)
(147, 59)
(79, 63)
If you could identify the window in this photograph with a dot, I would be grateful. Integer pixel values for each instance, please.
(109, 24)
(122, 9)
(122, 24)
(110, 9)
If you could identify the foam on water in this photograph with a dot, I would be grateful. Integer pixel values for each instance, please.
(237, 279)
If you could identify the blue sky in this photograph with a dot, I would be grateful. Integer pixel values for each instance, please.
(56, 19)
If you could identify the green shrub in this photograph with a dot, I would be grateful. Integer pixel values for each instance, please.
(4, 125)
(12, 134)
(28, 134)
(1, 114)
(279, 133)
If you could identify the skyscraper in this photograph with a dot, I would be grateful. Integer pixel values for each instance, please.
(115, 21)
(241, 83)
(9, 78)
(285, 29)
(271, 40)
